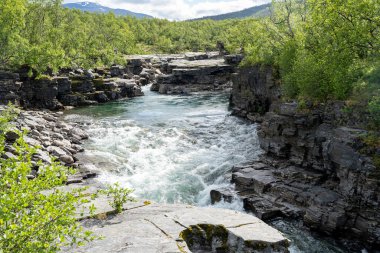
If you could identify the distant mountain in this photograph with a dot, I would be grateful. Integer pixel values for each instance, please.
(94, 7)
(256, 11)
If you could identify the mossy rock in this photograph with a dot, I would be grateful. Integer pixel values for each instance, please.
(76, 83)
(99, 83)
(44, 78)
(206, 237)
(371, 147)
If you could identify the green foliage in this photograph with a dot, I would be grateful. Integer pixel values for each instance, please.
(44, 35)
(119, 196)
(43, 77)
(7, 115)
(35, 216)
(323, 50)
(372, 145)
(320, 47)
(12, 22)
(374, 110)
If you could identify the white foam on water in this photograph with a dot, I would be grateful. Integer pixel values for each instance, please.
(174, 149)
(171, 151)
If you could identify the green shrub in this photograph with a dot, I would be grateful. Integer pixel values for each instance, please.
(119, 196)
(31, 219)
(374, 110)
(43, 77)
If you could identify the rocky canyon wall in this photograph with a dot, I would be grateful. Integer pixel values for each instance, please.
(316, 166)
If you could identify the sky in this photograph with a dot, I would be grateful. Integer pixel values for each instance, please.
(179, 9)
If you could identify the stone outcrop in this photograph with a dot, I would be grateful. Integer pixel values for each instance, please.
(9, 87)
(233, 59)
(168, 74)
(70, 88)
(183, 76)
(179, 228)
(316, 166)
(254, 91)
(184, 73)
(142, 226)
(54, 138)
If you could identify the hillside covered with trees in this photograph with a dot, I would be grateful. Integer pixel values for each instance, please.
(322, 49)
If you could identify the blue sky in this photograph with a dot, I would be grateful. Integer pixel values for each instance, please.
(179, 9)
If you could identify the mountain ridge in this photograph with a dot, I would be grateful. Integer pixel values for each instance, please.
(97, 8)
(255, 11)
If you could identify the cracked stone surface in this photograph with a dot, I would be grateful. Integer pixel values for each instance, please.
(184, 64)
(169, 228)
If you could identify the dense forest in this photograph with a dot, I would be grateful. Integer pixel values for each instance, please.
(323, 49)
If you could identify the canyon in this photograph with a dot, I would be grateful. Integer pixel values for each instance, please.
(309, 164)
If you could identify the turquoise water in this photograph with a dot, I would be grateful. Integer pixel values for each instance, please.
(175, 149)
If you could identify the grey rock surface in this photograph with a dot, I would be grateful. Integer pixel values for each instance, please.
(316, 166)
(180, 228)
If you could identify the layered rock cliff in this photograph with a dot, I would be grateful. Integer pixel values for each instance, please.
(316, 166)
(168, 74)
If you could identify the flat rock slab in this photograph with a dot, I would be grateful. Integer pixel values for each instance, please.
(181, 228)
(185, 64)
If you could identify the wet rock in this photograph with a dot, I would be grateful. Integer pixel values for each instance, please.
(79, 133)
(143, 81)
(66, 159)
(155, 87)
(72, 100)
(56, 151)
(77, 148)
(129, 88)
(219, 195)
(101, 97)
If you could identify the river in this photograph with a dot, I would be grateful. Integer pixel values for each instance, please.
(175, 149)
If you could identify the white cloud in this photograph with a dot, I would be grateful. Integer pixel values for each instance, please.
(180, 9)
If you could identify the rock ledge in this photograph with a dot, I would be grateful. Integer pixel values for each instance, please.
(182, 228)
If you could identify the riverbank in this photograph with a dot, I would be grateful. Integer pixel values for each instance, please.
(179, 149)
(317, 166)
(176, 149)
(168, 74)
(142, 225)
(53, 138)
